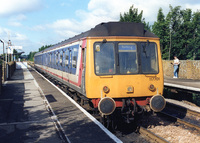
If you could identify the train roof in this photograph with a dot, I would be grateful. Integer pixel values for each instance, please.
(110, 29)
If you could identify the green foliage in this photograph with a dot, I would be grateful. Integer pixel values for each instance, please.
(44, 47)
(31, 54)
(161, 29)
(133, 16)
(179, 33)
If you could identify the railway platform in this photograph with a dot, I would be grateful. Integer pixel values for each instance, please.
(185, 84)
(24, 118)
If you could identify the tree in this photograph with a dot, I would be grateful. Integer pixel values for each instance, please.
(173, 20)
(161, 29)
(133, 16)
(31, 56)
(195, 45)
(44, 47)
(179, 33)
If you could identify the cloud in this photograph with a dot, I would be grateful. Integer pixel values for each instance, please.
(16, 20)
(20, 39)
(99, 11)
(19, 17)
(38, 28)
(15, 36)
(13, 7)
(194, 7)
(14, 23)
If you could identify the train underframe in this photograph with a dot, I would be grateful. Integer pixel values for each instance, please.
(126, 109)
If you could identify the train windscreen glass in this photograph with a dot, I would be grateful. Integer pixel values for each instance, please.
(149, 59)
(104, 54)
(127, 58)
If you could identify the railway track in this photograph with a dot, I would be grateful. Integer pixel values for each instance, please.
(182, 115)
(182, 110)
(152, 135)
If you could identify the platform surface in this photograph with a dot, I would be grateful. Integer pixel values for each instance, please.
(23, 116)
(187, 84)
(77, 126)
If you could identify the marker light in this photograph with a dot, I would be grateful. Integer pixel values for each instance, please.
(106, 89)
(152, 87)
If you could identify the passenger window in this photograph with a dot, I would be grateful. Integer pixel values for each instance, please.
(50, 59)
(74, 57)
(67, 58)
(53, 59)
(104, 55)
(57, 55)
(61, 57)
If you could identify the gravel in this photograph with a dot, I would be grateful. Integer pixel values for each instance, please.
(176, 134)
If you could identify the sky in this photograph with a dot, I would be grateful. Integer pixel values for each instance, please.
(34, 23)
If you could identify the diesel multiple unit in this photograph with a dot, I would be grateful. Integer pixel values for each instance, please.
(116, 66)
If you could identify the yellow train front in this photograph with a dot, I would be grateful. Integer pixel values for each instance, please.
(115, 65)
(124, 70)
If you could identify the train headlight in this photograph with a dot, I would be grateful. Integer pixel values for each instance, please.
(129, 89)
(106, 106)
(157, 103)
(106, 89)
(152, 87)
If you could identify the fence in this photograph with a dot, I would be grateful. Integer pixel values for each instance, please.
(6, 73)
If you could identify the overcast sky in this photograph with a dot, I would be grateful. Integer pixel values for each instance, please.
(34, 23)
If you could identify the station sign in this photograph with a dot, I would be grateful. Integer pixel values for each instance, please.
(10, 49)
(16, 47)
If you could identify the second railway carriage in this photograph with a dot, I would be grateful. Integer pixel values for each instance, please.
(115, 65)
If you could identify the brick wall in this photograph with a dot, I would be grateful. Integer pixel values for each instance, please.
(188, 69)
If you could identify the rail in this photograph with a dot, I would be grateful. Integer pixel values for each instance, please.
(152, 135)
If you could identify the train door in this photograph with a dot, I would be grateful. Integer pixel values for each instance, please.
(73, 53)
(74, 59)
(83, 70)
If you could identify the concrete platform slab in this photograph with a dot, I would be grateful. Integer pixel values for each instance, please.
(78, 125)
(187, 84)
(23, 116)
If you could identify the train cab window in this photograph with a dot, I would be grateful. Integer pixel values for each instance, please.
(104, 55)
(149, 59)
(61, 57)
(74, 57)
(128, 58)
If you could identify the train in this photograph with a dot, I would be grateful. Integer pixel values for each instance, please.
(115, 67)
